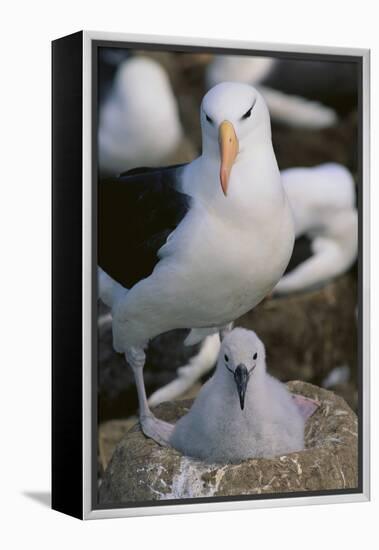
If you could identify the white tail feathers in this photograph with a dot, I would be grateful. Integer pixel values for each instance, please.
(109, 289)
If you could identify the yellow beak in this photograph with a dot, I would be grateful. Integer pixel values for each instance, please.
(228, 151)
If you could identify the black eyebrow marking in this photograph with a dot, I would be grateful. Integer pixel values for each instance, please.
(248, 113)
(209, 119)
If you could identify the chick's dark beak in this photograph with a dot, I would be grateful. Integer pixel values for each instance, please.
(241, 377)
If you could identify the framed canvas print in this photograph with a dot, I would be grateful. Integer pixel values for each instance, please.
(210, 275)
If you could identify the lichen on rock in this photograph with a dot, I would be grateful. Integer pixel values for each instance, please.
(141, 470)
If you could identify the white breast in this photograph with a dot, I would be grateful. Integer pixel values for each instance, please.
(220, 270)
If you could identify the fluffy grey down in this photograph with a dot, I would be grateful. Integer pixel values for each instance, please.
(216, 429)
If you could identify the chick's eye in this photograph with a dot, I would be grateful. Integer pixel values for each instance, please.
(226, 358)
(209, 119)
(255, 355)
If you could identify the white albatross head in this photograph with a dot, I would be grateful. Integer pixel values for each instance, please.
(242, 357)
(234, 118)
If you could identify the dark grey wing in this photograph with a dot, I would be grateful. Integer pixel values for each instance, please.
(136, 213)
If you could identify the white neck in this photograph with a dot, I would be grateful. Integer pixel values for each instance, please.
(254, 184)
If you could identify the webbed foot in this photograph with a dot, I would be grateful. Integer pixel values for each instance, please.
(156, 429)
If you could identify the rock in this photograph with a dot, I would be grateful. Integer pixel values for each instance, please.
(112, 431)
(141, 470)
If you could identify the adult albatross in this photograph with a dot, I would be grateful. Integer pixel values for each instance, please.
(197, 245)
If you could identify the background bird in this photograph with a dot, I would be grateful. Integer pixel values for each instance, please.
(323, 205)
(242, 412)
(139, 122)
(297, 92)
(198, 245)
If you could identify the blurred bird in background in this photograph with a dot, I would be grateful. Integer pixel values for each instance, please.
(298, 93)
(139, 122)
(323, 204)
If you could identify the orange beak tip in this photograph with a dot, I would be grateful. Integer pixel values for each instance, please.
(224, 180)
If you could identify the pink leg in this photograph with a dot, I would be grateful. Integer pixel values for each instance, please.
(151, 426)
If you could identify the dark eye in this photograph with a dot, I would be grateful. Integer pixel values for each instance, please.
(255, 355)
(226, 358)
(248, 113)
(209, 119)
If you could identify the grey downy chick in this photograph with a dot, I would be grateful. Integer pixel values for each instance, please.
(242, 411)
